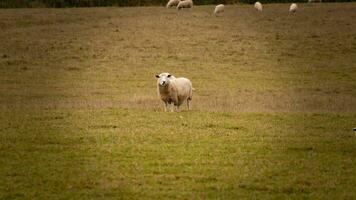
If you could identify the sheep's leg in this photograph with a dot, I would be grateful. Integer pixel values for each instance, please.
(188, 104)
(172, 107)
(165, 106)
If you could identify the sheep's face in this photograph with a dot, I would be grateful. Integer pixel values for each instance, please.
(163, 79)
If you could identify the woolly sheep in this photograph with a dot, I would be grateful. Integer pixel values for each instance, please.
(185, 4)
(219, 9)
(172, 3)
(174, 90)
(314, 1)
(293, 7)
(258, 6)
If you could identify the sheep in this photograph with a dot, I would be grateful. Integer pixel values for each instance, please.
(258, 6)
(185, 4)
(174, 90)
(314, 1)
(219, 9)
(172, 3)
(293, 7)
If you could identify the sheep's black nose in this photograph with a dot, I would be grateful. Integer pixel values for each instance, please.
(163, 82)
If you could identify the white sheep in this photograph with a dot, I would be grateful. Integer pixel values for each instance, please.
(172, 3)
(314, 1)
(219, 9)
(174, 90)
(185, 4)
(258, 6)
(293, 7)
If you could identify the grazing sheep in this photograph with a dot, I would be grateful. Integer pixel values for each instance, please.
(258, 6)
(293, 7)
(172, 3)
(185, 4)
(314, 1)
(219, 9)
(174, 90)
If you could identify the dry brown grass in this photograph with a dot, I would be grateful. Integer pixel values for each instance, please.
(241, 61)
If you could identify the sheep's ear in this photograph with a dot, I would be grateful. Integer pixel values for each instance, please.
(157, 76)
(168, 75)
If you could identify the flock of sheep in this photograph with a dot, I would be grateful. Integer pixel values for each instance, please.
(180, 4)
(175, 91)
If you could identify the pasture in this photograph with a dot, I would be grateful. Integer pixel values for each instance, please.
(272, 112)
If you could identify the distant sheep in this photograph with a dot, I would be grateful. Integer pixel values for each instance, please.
(293, 7)
(185, 4)
(219, 9)
(174, 90)
(258, 6)
(314, 1)
(172, 3)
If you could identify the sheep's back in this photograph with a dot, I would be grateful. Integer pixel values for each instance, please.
(184, 86)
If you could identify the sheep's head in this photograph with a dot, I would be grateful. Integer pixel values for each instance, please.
(164, 79)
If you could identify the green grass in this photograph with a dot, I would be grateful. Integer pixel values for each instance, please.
(111, 153)
(272, 118)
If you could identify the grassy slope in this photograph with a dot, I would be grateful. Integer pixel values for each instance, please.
(274, 105)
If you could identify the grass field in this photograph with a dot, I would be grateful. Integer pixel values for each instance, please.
(273, 108)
